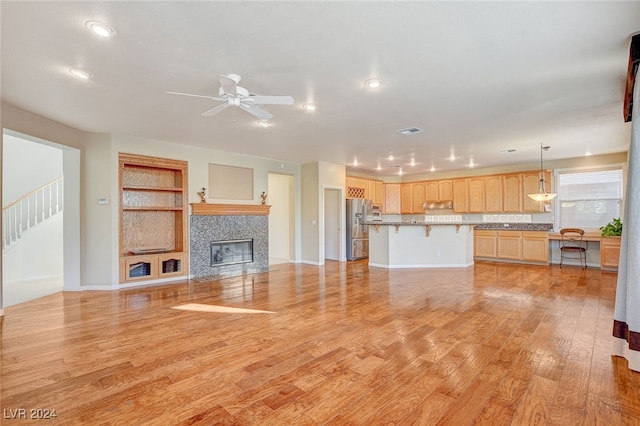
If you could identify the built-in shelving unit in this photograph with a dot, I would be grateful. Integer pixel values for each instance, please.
(153, 218)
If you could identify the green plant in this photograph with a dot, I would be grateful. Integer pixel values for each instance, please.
(612, 229)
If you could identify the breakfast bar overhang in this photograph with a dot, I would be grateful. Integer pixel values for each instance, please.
(420, 245)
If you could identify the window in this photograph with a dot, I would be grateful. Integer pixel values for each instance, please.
(588, 199)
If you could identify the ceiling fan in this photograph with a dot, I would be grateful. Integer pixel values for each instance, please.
(236, 96)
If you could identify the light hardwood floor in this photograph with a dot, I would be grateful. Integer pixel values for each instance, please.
(493, 344)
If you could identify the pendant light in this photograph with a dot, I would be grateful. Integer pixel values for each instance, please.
(542, 194)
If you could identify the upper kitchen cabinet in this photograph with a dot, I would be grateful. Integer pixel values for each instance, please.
(531, 185)
(512, 192)
(356, 187)
(391, 198)
(418, 197)
(431, 190)
(476, 194)
(445, 190)
(493, 193)
(406, 199)
(460, 196)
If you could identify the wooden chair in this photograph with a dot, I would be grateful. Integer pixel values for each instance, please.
(572, 246)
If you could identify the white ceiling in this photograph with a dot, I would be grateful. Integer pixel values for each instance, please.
(477, 77)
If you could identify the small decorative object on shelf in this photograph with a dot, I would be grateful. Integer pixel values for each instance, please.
(202, 194)
(264, 197)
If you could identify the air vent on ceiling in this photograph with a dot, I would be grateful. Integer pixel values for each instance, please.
(410, 131)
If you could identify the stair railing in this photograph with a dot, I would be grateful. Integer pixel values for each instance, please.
(30, 210)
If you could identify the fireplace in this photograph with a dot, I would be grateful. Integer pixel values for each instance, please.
(237, 234)
(230, 252)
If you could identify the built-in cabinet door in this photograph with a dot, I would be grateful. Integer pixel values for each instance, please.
(531, 185)
(418, 197)
(431, 191)
(379, 193)
(460, 196)
(512, 192)
(406, 200)
(391, 198)
(609, 253)
(535, 246)
(493, 193)
(476, 194)
(485, 244)
(510, 245)
(445, 190)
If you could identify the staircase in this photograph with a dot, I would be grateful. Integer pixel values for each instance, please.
(30, 210)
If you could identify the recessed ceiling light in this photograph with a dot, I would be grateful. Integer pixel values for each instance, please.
(412, 163)
(355, 162)
(587, 154)
(309, 107)
(452, 157)
(433, 169)
(471, 163)
(101, 29)
(391, 158)
(80, 73)
(379, 167)
(264, 123)
(507, 151)
(374, 83)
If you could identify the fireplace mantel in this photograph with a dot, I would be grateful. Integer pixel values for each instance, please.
(206, 209)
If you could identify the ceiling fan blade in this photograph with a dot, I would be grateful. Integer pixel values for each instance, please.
(196, 96)
(228, 85)
(258, 112)
(271, 100)
(214, 111)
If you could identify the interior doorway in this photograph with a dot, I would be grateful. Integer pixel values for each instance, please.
(33, 219)
(280, 196)
(332, 220)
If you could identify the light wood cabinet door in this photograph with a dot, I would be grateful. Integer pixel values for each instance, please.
(535, 246)
(531, 185)
(476, 194)
(391, 198)
(370, 193)
(431, 191)
(406, 199)
(510, 245)
(485, 244)
(356, 187)
(460, 196)
(418, 197)
(379, 193)
(445, 190)
(493, 193)
(512, 192)
(609, 253)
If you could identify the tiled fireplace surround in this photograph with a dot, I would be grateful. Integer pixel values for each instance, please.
(216, 222)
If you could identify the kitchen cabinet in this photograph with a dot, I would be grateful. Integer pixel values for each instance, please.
(379, 193)
(510, 245)
(460, 196)
(492, 193)
(475, 186)
(609, 253)
(535, 246)
(445, 190)
(391, 198)
(530, 185)
(406, 199)
(512, 192)
(418, 197)
(431, 190)
(153, 217)
(356, 187)
(485, 244)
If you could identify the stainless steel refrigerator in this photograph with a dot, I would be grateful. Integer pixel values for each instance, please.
(357, 231)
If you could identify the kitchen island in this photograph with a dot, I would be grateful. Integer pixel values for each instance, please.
(420, 244)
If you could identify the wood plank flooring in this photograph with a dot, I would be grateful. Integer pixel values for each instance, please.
(493, 344)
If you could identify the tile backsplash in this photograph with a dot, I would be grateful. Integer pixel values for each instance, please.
(515, 218)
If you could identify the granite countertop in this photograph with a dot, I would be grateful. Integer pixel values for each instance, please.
(547, 227)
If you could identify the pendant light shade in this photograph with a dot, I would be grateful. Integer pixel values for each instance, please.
(542, 194)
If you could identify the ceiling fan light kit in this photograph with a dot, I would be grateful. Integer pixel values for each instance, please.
(236, 96)
(542, 195)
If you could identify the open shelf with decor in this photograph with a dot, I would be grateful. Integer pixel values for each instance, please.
(153, 218)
